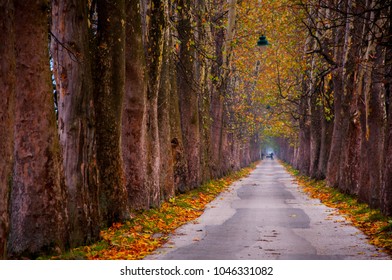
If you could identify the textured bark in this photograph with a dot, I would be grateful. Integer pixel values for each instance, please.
(372, 137)
(180, 165)
(315, 137)
(340, 124)
(218, 89)
(350, 153)
(7, 99)
(38, 197)
(109, 94)
(189, 97)
(303, 163)
(386, 191)
(134, 123)
(166, 169)
(386, 185)
(154, 46)
(325, 146)
(72, 64)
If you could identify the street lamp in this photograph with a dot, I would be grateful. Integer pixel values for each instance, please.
(262, 42)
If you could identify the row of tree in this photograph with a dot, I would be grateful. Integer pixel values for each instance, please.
(140, 113)
(345, 109)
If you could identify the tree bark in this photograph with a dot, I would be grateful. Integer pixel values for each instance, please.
(38, 195)
(350, 154)
(7, 109)
(109, 94)
(72, 67)
(180, 165)
(386, 185)
(167, 160)
(217, 110)
(303, 163)
(154, 46)
(188, 95)
(134, 123)
(340, 109)
(316, 117)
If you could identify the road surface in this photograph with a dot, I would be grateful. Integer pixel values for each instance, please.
(266, 216)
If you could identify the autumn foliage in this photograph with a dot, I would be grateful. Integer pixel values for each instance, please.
(371, 222)
(149, 229)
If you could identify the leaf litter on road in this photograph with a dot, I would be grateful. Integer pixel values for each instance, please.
(150, 229)
(376, 226)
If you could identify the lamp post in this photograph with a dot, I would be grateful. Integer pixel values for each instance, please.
(262, 42)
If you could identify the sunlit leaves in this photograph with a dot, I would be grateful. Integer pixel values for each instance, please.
(270, 78)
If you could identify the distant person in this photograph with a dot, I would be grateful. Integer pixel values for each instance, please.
(272, 155)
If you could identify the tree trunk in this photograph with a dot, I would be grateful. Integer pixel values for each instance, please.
(386, 185)
(7, 109)
(217, 90)
(154, 46)
(303, 163)
(166, 169)
(316, 117)
(189, 97)
(109, 93)
(38, 195)
(134, 125)
(325, 146)
(350, 154)
(180, 165)
(340, 110)
(373, 107)
(72, 64)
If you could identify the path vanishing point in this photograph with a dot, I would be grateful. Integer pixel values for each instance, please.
(266, 216)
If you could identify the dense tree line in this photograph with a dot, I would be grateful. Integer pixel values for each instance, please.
(141, 113)
(344, 109)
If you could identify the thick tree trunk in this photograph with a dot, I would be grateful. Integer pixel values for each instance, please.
(340, 109)
(386, 185)
(72, 64)
(188, 95)
(166, 139)
(372, 138)
(350, 154)
(373, 109)
(109, 93)
(134, 124)
(38, 196)
(154, 46)
(7, 109)
(386, 191)
(325, 146)
(166, 173)
(316, 117)
(303, 163)
(222, 37)
(180, 165)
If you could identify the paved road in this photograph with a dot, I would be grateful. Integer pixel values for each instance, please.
(266, 216)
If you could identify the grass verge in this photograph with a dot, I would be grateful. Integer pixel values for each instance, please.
(371, 222)
(150, 229)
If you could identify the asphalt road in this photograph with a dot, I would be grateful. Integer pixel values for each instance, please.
(266, 216)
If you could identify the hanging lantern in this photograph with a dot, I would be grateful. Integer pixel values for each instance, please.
(262, 42)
